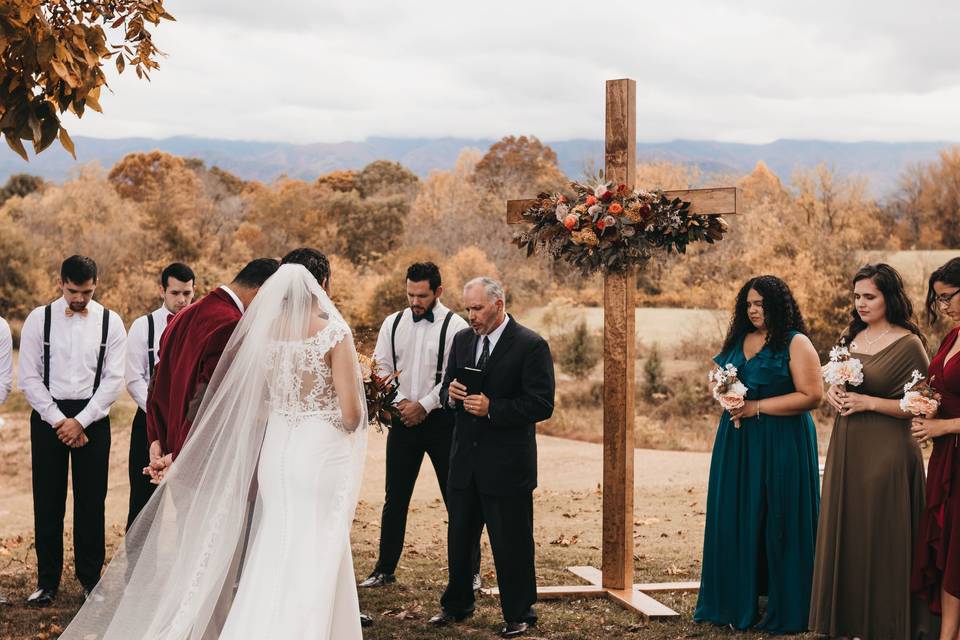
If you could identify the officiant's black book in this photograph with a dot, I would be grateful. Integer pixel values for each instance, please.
(471, 378)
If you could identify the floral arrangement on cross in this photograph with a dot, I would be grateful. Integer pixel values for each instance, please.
(611, 228)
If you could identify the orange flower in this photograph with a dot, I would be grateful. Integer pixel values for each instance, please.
(615, 208)
(570, 221)
(591, 200)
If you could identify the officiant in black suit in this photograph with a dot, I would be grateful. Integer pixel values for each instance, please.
(493, 460)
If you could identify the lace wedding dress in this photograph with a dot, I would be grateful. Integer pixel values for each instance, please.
(298, 580)
(248, 535)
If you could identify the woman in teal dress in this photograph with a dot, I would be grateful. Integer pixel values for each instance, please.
(763, 497)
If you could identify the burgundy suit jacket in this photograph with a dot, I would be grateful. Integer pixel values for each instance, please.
(190, 349)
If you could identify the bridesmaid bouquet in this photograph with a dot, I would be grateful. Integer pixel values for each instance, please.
(843, 368)
(727, 389)
(919, 398)
(381, 393)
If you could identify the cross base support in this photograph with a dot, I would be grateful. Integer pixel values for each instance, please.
(635, 599)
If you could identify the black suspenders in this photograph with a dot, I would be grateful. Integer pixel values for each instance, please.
(393, 338)
(47, 321)
(150, 336)
(443, 343)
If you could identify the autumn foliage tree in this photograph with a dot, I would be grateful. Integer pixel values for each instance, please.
(927, 207)
(52, 54)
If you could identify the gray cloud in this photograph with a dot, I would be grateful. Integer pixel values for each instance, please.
(711, 69)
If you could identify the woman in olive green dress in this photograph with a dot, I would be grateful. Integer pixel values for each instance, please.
(873, 487)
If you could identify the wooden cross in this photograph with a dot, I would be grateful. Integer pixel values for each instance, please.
(619, 370)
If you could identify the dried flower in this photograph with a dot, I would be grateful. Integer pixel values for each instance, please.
(589, 238)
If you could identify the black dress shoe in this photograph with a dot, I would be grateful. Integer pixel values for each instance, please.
(365, 620)
(377, 579)
(42, 597)
(443, 618)
(514, 629)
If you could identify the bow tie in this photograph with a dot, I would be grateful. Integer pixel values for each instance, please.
(170, 316)
(426, 316)
(70, 312)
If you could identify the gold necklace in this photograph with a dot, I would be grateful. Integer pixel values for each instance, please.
(870, 342)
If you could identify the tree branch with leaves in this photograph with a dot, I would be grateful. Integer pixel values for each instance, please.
(52, 54)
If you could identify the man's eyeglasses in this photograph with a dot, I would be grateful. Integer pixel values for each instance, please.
(944, 299)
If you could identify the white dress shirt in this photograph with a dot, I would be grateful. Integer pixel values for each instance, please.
(417, 350)
(74, 347)
(234, 296)
(494, 336)
(6, 360)
(138, 353)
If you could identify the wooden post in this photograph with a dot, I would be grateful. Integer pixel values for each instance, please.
(619, 355)
(615, 581)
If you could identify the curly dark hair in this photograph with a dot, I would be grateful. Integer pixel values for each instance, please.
(948, 273)
(780, 313)
(899, 308)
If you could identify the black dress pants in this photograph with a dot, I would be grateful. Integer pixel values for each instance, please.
(140, 486)
(50, 461)
(509, 521)
(406, 447)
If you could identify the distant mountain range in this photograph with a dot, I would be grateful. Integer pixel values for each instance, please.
(880, 162)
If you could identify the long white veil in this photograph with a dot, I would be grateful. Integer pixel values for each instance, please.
(175, 575)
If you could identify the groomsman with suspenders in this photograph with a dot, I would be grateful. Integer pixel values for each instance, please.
(6, 381)
(415, 342)
(143, 345)
(71, 372)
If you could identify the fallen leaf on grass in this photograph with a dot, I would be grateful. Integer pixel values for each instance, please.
(674, 570)
(564, 541)
(645, 521)
(411, 613)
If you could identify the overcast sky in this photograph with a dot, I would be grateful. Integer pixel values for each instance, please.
(328, 71)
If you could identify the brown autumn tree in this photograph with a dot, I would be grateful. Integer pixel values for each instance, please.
(52, 54)
(344, 181)
(927, 206)
(518, 167)
(286, 214)
(20, 184)
(383, 178)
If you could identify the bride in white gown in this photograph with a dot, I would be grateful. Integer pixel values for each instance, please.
(248, 535)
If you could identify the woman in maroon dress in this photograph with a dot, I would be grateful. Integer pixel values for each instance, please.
(936, 565)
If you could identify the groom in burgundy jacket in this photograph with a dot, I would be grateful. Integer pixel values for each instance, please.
(189, 352)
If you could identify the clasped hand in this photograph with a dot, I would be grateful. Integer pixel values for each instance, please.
(847, 402)
(476, 404)
(926, 428)
(71, 433)
(411, 413)
(748, 410)
(159, 463)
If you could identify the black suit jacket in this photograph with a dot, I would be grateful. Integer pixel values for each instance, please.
(500, 451)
